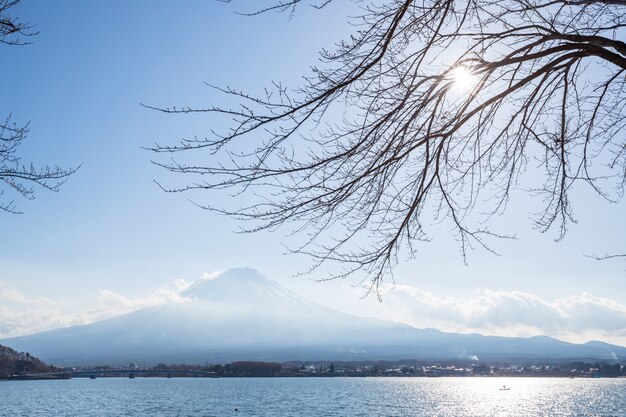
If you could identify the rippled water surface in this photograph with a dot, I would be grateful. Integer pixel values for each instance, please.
(458, 397)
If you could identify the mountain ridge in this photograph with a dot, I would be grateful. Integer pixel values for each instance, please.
(243, 315)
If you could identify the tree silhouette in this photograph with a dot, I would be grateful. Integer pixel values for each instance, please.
(432, 108)
(16, 175)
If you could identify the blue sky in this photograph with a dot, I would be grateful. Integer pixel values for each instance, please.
(112, 238)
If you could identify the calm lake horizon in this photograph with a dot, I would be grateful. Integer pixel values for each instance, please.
(375, 396)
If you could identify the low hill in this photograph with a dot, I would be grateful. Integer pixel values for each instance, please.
(13, 362)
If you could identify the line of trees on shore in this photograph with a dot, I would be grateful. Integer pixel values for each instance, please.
(240, 368)
(14, 363)
(398, 368)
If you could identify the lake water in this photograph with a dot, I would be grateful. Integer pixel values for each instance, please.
(458, 397)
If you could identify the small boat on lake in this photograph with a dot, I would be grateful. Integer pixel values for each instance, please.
(504, 388)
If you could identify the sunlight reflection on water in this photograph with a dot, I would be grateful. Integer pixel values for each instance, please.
(426, 397)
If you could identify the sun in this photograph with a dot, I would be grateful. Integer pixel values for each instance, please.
(462, 78)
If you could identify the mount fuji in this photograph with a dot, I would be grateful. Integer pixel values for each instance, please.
(242, 315)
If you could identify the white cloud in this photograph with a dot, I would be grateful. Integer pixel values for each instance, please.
(208, 276)
(21, 314)
(512, 313)
(11, 295)
(161, 295)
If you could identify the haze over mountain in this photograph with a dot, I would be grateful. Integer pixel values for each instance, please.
(242, 315)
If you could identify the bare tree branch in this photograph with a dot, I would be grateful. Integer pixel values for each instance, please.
(431, 111)
(14, 174)
(11, 29)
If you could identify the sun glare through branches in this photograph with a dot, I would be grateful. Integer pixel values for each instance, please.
(463, 79)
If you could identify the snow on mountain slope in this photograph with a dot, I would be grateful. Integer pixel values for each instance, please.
(242, 315)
